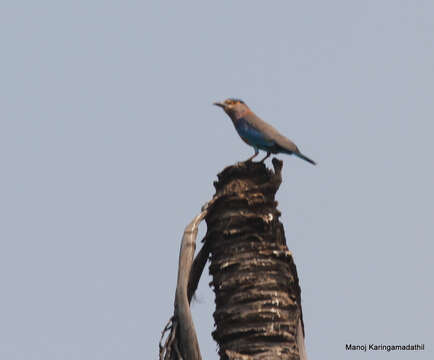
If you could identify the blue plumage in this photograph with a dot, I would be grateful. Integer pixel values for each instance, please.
(252, 136)
(257, 133)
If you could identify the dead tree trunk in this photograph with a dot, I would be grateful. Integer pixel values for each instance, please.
(258, 308)
(257, 295)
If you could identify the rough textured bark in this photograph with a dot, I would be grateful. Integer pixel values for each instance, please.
(257, 295)
(258, 312)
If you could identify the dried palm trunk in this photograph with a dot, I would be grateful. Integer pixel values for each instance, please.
(258, 312)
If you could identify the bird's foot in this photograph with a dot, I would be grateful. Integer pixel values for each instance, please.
(265, 158)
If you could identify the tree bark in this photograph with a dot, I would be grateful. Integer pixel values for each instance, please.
(258, 305)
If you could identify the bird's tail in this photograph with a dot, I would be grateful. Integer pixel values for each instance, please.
(301, 156)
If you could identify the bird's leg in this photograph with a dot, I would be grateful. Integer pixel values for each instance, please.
(253, 156)
(266, 157)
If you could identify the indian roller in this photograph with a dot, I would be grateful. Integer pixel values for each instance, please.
(257, 133)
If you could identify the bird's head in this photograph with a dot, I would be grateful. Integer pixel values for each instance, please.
(235, 108)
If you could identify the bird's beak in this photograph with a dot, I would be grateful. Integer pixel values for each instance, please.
(219, 104)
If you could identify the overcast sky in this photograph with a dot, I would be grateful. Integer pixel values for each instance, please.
(109, 146)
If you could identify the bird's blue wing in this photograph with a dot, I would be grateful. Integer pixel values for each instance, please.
(253, 136)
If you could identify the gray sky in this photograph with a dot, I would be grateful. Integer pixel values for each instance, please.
(109, 146)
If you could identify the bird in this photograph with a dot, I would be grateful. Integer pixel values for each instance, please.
(257, 133)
